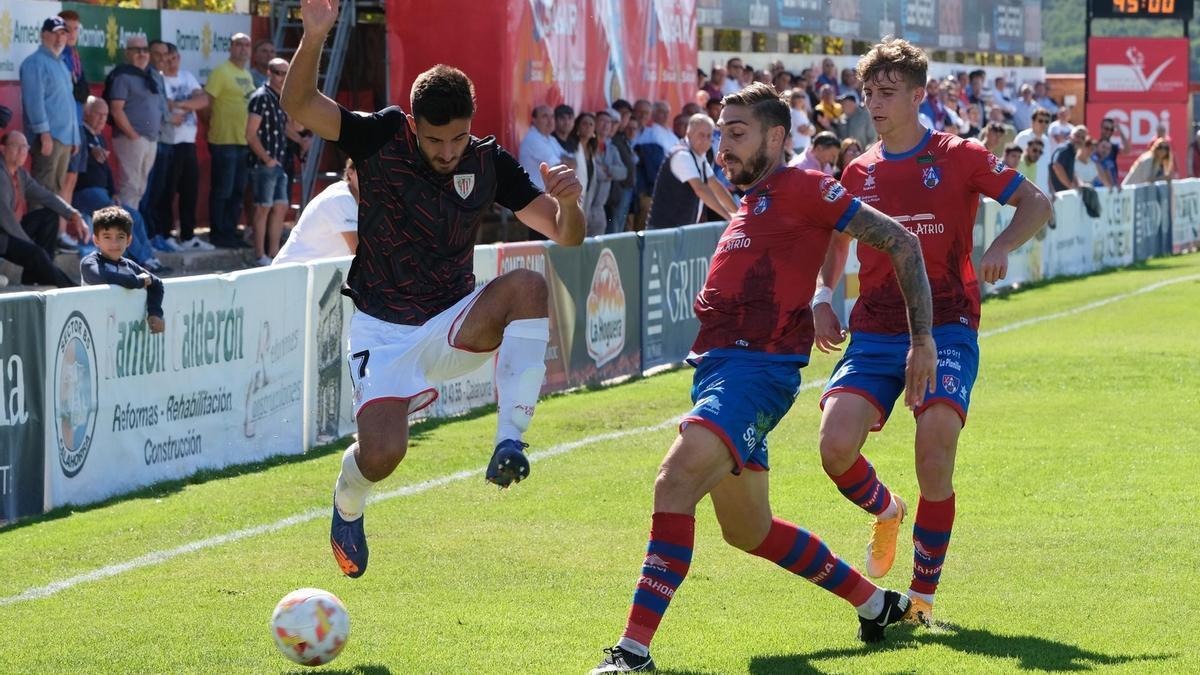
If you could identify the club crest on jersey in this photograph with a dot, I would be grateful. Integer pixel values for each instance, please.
(763, 203)
(831, 190)
(464, 184)
(950, 383)
(931, 176)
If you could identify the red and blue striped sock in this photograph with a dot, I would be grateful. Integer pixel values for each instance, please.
(931, 538)
(668, 557)
(800, 552)
(860, 485)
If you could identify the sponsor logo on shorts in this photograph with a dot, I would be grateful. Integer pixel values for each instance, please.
(950, 383)
(949, 363)
(710, 403)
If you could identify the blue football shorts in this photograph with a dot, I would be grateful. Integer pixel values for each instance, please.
(741, 400)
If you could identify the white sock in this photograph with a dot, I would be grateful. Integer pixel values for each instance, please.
(873, 607)
(633, 647)
(923, 596)
(520, 370)
(890, 512)
(350, 490)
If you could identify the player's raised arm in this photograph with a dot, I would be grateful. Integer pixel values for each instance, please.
(904, 248)
(557, 213)
(300, 98)
(1033, 210)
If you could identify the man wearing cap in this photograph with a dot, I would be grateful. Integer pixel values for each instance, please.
(856, 122)
(49, 109)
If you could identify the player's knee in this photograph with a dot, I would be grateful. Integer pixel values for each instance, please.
(529, 291)
(839, 449)
(378, 457)
(743, 535)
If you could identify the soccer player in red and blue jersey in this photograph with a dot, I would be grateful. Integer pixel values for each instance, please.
(756, 333)
(930, 182)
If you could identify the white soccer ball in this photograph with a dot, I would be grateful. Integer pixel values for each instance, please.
(310, 626)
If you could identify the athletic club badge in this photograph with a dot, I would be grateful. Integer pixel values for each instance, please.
(464, 184)
(931, 176)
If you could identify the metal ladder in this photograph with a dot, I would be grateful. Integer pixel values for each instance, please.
(285, 15)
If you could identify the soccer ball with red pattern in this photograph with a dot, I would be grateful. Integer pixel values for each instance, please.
(310, 626)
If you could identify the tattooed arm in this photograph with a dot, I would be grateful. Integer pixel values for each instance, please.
(881, 232)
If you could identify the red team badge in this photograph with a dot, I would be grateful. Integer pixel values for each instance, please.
(950, 383)
(831, 190)
(464, 184)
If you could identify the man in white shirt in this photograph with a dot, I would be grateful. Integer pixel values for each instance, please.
(733, 77)
(1040, 123)
(1000, 96)
(328, 227)
(540, 146)
(1061, 126)
(1023, 108)
(657, 131)
(185, 97)
(687, 181)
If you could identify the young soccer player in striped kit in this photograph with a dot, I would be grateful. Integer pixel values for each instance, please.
(755, 336)
(931, 183)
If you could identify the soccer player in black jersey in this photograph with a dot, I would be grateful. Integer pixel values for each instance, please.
(425, 184)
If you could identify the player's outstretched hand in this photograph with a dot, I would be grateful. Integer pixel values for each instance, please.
(920, 371)
(829, 331)
(156, 324)
(994, 265)
(561, 182)
(318, 16)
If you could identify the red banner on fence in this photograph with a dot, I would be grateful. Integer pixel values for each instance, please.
(1138, 69)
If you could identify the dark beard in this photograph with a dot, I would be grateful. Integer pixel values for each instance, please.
(752, 170)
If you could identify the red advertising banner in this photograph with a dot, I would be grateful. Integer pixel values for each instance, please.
(1139, 124)
(524, 53)
(1138, 69)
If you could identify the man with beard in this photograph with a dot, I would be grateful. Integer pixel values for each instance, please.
(932, 181)
(755, 336)
(425, 184)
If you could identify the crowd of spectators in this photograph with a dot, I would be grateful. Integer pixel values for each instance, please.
(135, 146)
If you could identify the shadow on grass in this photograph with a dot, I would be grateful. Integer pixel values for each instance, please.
(356, 670)
(1009, 293)
(167, 488)
(1031, 652)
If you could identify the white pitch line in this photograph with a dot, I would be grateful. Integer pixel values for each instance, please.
(158, 557)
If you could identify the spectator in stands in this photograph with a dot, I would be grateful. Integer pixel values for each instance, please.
(1110, 132)
(974, 122)
(829, 107)
(1030, 165)
(1041, 94)
(260, 60)
(856, 122)
(625, 110)
(185, 98)
(782, 81)
(687, 182)
(96, 188)
(849, 83)
(230, 86)
(18, 236)
(955, 121)
(1105, 161)
(1155, 164)
(1012, 156)
(829, 74)
(733, 77)
(932, 107)
(80, 90)
(1062, 163)
(582, 142)
(1040, 122)
(267, 131)
(1001, 98)
(108, 264)
(974, 93)
(138, 107)
(820, 155)
(679, 126)
(850, 149)
(1062, 123)
(328, 225)
(802, 128)
(48, 102)
(1023, 109)
(160, 234)
(610, 169)
(540, 145)
(564, 121)
(715, 84)
(654, 143)
(620, 198)
(1194, 156)
(995, 139)
(1088, 171)
(641, 110)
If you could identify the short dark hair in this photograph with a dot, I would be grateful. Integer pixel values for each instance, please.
(564, 110)
(69, 15)
(112, 217)
(826, 139)
(765, 103)
(441, 94)
(1012, 147)
(172, 48)
(899, 59)
(621, 105)
(155, 42)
